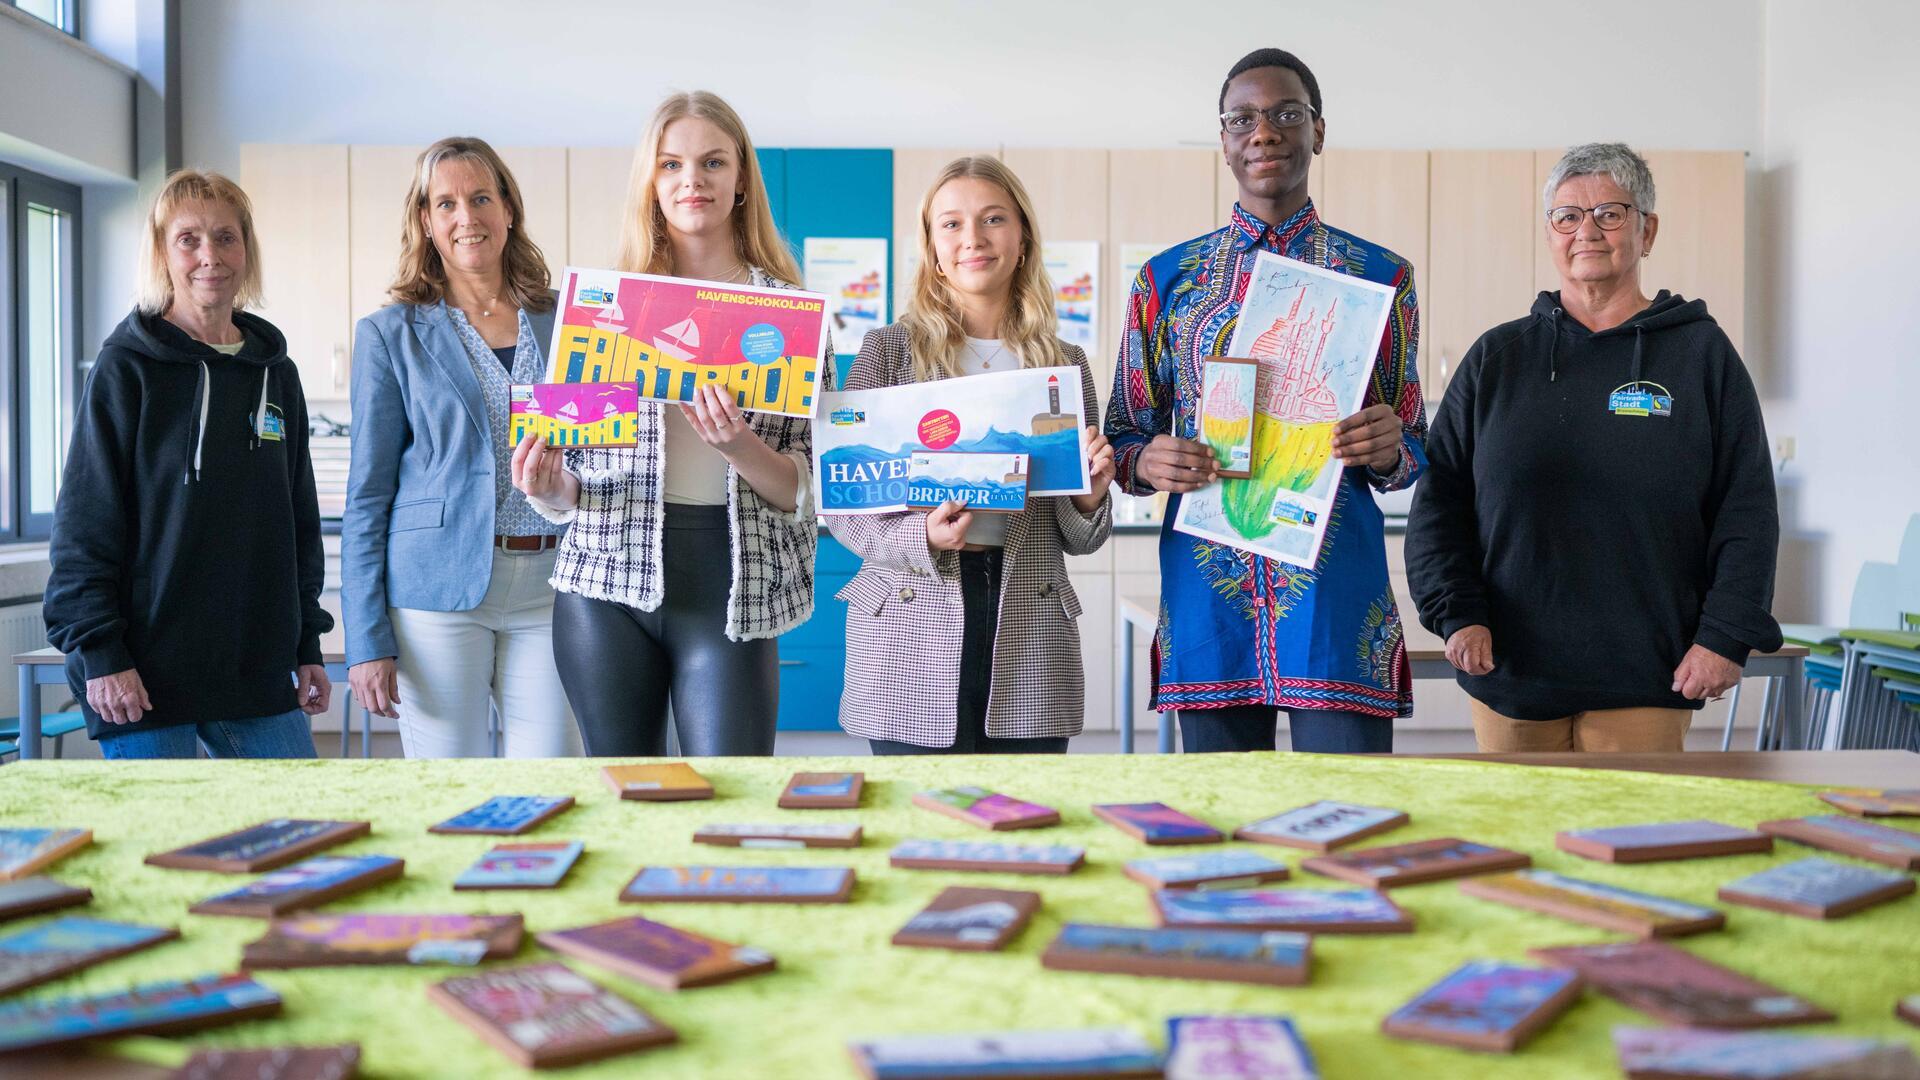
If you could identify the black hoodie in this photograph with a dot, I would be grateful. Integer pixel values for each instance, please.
(1601, 502)
(186, 540)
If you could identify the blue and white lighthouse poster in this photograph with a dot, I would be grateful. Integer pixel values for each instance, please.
(864, 440)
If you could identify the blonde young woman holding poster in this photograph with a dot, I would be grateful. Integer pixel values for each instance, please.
(960, 629)
(686, 555)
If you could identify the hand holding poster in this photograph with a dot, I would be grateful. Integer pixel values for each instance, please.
(864, 440)
(1315, 334)
(669, 335)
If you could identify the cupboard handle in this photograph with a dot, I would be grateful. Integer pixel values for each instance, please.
(339, 357)
(791, 663)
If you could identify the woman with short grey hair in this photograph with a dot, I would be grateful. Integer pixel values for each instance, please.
(1595, 534)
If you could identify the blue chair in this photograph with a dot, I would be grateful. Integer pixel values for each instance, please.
(55, 726)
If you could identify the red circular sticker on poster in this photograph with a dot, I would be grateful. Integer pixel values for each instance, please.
(939, 429)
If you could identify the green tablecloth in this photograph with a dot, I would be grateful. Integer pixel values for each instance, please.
(840, 979)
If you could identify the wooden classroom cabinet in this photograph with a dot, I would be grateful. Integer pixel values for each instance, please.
(596, 197)
(299, 196)
(1157, 198)
(1482, 226)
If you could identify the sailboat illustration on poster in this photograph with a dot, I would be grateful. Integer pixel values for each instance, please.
(611, 318)
(680, 341)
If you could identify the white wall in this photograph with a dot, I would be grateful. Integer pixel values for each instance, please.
(65, 110)
(1840, 321)
(1395, 73)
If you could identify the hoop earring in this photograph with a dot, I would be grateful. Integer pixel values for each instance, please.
(739, 198)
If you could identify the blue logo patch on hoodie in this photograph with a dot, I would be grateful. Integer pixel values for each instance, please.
(1640, 399)
(273, 427)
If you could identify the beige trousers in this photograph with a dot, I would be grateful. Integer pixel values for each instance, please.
(1596, 730)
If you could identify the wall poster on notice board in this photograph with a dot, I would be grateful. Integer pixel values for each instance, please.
(1074, 266)
(1315, 333)
(667, 336)
(852, 274)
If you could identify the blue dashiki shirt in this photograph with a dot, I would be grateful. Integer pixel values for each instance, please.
(1236, 628)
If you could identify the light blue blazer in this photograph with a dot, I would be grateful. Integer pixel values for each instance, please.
(419, 525)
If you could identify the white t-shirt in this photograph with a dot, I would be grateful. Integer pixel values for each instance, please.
(696, 472)
(984, 355)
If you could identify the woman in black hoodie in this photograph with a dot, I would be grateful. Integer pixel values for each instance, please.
(186, 541)
(1595, 534)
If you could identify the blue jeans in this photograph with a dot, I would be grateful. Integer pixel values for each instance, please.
(1256, 727)
(288, 735)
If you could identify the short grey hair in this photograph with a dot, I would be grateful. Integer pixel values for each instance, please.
(1616, 161)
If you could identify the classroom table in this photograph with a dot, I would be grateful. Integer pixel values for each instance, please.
(1782, 669)
(838, 978)
(48, 667)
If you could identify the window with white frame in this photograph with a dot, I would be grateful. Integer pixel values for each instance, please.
(39, 344)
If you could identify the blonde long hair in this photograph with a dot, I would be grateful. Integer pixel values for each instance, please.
(421, 277)
(1029, 329)
(154, 293)
(643, 231)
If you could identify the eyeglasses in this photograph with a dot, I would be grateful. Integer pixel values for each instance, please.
(1608, 215)
(1287, 114)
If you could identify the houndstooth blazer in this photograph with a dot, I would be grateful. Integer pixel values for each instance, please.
(904, 612)
(612, 551)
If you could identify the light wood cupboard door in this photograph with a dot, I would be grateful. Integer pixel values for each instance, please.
(1700, 250)
(1069, 193)
(299, 196)
(541, 172)
(1480, 238)
(1379, 195)
(913, 170)
(1155, 199)
(1227, 189)
(596, 199)
(378, 178)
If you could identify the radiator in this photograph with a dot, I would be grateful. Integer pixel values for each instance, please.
(22, 630)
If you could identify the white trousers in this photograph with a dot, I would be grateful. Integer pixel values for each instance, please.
(456, 665)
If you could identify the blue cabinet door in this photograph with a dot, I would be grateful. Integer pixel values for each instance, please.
(839, 193)
(813, 655)
(827, 193)
(773, 173)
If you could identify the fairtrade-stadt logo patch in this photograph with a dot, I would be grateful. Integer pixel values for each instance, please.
(1640, 399)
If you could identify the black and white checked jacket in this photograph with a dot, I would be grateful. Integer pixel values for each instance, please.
(904, 612)
(612, 551)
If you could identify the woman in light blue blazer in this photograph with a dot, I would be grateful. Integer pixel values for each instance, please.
(444, 566)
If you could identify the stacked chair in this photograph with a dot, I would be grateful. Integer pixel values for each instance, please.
(1863, 680)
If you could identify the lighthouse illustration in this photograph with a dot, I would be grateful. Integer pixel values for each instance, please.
(1295, 389)
(1053, 419)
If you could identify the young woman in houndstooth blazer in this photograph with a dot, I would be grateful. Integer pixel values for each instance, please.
(960, 626)
(687, 554)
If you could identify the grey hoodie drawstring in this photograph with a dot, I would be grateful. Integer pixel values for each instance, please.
(200, 433)
(1553, 349)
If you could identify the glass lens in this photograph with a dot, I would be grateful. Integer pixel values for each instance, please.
(1565, 218)
(1610, 216)
(1239, 121)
